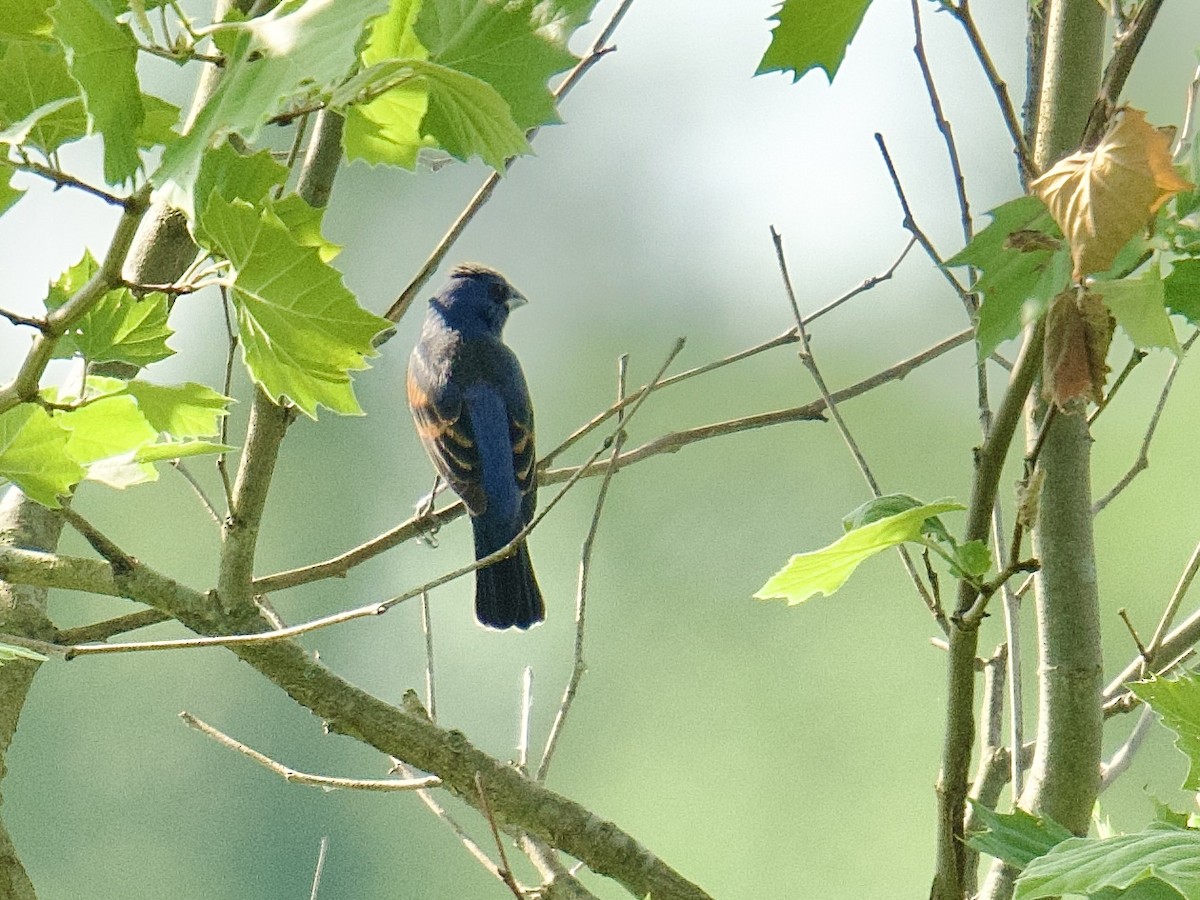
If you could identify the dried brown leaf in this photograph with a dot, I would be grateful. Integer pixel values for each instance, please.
(1101, 199)
(1079, 329)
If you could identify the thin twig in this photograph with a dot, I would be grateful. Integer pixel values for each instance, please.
(293, 152)
(197, 489)
(1142, 462)
(788, 337)
(579, 667)
(964, 207)
(943, 124)
(526, 714)
(381, 607)
(43, 647)
(24, 386)
(810, 363)
(18, 319)
(1123, 756)
(62, 179)
(121, 562)
(1135, 359)
(910, 225)
(102, 631)
(672, 442)
(1175, 647)
(1123, 614)
(961, 11)
(179, 56)
(1040, 441)
(440, 812)
(599, 49)
(1126, 47)
(1012, 636)
(506, 872)
(1172, 607)
(427, 630)
(231, 349)
(326, 782)
(316, 882)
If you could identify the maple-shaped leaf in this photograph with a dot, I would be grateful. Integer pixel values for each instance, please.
(1139, 307)
(1019, 265)
(1079, 328)
(811, 35)
(1101, 199)
(302, 332)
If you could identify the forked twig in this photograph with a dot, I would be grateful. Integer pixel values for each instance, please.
(381, 607)
(290, 775)
(806, 357)
(579, 667)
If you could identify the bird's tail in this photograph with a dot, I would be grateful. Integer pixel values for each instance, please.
(506, 592)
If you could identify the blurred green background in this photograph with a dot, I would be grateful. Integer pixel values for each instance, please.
(765, 752)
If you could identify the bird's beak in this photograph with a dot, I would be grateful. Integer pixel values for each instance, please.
(515, 299)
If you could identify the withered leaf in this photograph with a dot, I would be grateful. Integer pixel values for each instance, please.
(1079, 329)
(1101, 199)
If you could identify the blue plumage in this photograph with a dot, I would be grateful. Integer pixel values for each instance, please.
(471, 406)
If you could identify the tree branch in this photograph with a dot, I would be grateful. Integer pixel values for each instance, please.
(672, 442)
(291, 776)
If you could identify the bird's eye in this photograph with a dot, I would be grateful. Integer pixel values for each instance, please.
(498, 292)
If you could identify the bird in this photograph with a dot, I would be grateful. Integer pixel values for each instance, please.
(474, 417)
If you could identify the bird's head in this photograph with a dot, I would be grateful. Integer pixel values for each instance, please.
(476, 300)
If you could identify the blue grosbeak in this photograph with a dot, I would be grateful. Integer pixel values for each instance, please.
(471, 407)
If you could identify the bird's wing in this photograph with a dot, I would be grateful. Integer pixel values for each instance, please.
(503, 371)
(448, 437)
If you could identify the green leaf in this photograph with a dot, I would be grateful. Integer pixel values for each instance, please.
(25, 20)
(502, 44)
(388, 128)
(1182, 289)
(166, 450)
(236, 176)
(18, 132)
(120, 327)
(1018, 269)
(302, 332)
(8, 194)
(811, 34)
(468, 117)
(824, 571)
(71, 281)
(103, 428)
(158, 124)
(563, 15)
(889, 505)
(1168, 816)
(124, 328)
(8, 653)
(298, 46)
(1177, 701)
(102, 55)
(1139, 306)
(33, 454)
(1083, 866)
(973, 559)
(35, 84)
(180, 410)
(303, 222)
(1018, 837)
